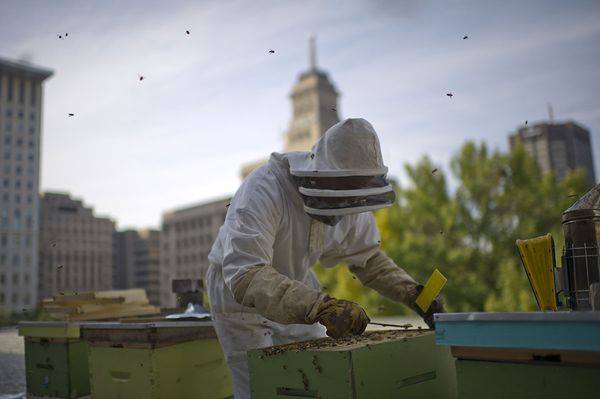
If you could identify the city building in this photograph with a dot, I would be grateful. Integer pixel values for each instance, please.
(558, 147)
(136, 261)
(314, 109)
(187, 235)
(20, 131)
(76, 247)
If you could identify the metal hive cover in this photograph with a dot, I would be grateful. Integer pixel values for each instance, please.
(586, 206)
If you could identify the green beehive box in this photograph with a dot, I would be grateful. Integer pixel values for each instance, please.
(499, 380)
(379, 364)
(56, 360)
(174, 360)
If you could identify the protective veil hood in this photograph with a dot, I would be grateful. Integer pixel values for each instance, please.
(344, 173)
(349, 148)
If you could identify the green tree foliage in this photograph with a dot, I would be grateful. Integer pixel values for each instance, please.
(469, 232)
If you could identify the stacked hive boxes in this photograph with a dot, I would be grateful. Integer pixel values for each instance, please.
(386, 364)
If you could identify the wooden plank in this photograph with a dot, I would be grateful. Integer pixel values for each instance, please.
(526, 355)
(117, 313)
(89, 295)
(135, 295)
(95, 301)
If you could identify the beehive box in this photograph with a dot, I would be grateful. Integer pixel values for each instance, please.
(174, 360)
(523, 355)
(379, 364)
(56, 360)
(499, 380)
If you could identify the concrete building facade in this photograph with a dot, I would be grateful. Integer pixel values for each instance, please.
(137, 261)
(187, 235)
(76, 247)
(20, 140)
(314, 109)
(558, 147)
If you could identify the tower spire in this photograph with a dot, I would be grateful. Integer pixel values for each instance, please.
(312, 52)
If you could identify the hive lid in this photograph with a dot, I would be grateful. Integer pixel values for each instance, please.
(586, 206)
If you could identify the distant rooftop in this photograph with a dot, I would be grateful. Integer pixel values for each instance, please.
(24, 69)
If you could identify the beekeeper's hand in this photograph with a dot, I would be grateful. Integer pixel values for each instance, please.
(437, 306)
(341, 317)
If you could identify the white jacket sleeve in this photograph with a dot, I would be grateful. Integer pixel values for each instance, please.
(277, 297)
(384, 276)
(250, 228)
(249, 231)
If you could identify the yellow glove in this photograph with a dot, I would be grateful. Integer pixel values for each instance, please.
(341, 317)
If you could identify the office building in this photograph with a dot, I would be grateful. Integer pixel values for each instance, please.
(136, 261)
(558, 147)
(21, 89)
(187, 235)
(76, 247)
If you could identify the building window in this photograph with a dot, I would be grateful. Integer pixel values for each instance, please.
(18, 183)
(2, 278)
(2, 259)
(31, 129)
(17, 219)
(9, 113)
(29, 184)
(20, 115)
(33, 96)
(3, 240)
(32, 117)
(21, 91)
(31, 143)
(4, 217)
(15, 298)
(7, 140)
(11, 83)
(15, 279)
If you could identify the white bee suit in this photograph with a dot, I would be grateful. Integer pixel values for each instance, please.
(267, 225)
(269, 236)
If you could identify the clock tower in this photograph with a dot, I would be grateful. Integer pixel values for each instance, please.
(314, 106)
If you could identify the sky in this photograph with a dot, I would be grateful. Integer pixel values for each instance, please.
(215, 99)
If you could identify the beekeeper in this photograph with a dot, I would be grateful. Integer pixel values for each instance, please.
(300, 208)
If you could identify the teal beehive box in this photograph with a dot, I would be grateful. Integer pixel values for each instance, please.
(379, 364)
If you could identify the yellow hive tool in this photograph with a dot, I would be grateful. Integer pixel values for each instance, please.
(432, 288)
(537, 255)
